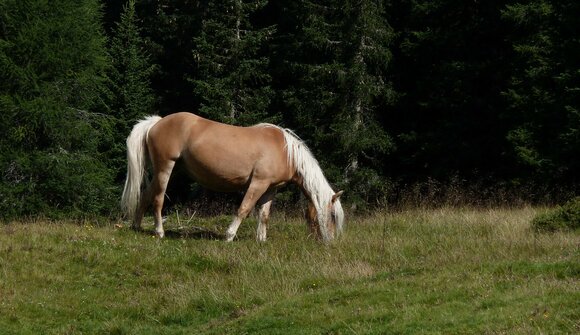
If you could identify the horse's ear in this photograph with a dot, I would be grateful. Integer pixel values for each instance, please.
(337, 195)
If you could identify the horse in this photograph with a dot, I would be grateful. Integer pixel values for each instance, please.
(257, 159)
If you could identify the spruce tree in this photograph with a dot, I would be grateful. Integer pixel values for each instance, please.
(543, 95)
(132, 96)
(337, 62)
(131, 68)
(368, 38)
(232, 80)
(52, 86)
(168, 27)
(451, 64)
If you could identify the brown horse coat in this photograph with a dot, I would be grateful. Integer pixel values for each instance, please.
(221, 157)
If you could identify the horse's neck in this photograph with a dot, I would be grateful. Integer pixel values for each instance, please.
(299, 180)
(313, 195)
(307, 172)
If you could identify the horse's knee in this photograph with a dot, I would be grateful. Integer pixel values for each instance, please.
(158, 202)
(243, 211)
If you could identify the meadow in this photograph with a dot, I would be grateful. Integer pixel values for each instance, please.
(427, 271)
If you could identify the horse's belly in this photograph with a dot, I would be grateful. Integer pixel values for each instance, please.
(219, 175)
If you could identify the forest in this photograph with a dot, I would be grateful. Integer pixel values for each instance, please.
(397, 99)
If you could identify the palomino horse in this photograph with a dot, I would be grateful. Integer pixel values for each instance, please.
(221, 157)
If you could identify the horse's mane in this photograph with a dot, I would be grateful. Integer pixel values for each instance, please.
(314, 182)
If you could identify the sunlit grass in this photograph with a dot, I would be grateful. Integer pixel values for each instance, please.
(417, 271)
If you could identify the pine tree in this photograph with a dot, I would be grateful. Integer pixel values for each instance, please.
(367, 55)
(168, 27)
(337, 59)
(232, 82)
(52, 87)
(131, 68)
(544, 93)
(451, 66)
(132, 97)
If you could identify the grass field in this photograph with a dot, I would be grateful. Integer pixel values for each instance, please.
(442, 271)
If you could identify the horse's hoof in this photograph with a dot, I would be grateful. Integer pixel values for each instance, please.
(230, 237)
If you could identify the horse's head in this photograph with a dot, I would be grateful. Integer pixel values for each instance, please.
(334, 218)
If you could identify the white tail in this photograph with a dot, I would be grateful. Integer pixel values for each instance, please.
(136, 163)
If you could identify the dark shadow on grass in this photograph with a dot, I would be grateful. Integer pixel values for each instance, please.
(194, 233)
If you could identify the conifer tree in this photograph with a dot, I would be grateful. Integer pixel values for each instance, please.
(544, 91)
(52, 83)
(338, 61)
(232, 82)
(132, 96)
(168, 27)
(368, 37)
(131, 68)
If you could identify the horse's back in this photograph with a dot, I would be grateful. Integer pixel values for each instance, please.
(166, 138)
(221, 156)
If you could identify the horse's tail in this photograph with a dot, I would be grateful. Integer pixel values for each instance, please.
(136, 163)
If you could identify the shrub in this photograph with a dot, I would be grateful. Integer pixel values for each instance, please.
(565, 217)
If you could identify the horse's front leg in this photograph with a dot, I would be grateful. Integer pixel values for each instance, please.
(254, 192)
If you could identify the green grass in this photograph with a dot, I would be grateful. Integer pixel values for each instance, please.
(441, 271)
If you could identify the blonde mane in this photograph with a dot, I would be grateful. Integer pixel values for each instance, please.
(314, 181)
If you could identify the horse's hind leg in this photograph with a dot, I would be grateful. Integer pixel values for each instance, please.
(264, 203)
(143, 205)
(158, 187)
